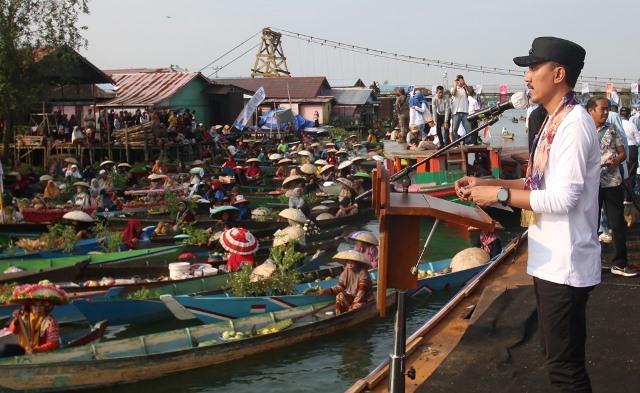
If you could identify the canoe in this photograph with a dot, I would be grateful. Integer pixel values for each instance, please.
(44, 263)
(156, 355)
(54, 274)
(145, 256)
(82, 247)
(363, 213)
(214, 308)
(40, 216)
(121, 310)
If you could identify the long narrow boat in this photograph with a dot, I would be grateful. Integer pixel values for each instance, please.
(55, 274)
(214, 308)
(155, 355)
(82, 247)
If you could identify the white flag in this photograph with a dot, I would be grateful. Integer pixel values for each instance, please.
(248, 109)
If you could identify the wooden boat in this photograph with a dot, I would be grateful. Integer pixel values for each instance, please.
(144, 256)
(155, 355)
(507, 135)
(70, 340)
(55, 274)
(36, 264)
(82, 247)
(39, 216)
(364, 213)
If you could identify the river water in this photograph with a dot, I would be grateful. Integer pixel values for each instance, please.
(331, 363)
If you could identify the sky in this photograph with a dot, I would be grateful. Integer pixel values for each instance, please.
(489, 33)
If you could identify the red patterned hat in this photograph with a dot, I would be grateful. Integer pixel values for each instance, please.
(239, 241)
(30, 292)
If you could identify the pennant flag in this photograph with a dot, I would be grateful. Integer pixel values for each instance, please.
(503, 93)
(249, 108)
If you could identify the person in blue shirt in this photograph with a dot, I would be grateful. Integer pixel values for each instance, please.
(243, 205)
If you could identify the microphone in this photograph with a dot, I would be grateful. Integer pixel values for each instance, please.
(517, 101)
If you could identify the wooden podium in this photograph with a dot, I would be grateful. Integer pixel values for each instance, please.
(399, 243)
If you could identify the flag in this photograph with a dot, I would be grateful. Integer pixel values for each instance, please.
(249, 108)
(486, 134)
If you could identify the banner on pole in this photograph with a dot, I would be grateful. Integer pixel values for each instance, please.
(249, 108)
(503, 92)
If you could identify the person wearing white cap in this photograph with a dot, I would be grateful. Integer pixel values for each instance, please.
(73, 172)
(106, 183)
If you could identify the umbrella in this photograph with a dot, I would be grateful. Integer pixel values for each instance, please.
(196, 171)
(239, 241)
(217, 212)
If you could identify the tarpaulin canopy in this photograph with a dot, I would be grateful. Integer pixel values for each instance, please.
(276, 119)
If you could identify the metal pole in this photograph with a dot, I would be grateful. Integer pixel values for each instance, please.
(397, 358)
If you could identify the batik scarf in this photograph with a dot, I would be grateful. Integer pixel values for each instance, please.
(542, 146)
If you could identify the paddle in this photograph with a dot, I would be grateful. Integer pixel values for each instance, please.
(285, 323)
(178, 310)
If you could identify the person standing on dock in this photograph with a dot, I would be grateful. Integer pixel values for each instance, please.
(561, 189)
(402, 110)
(633, 139)
(611, 192)
(441, 111)
(459, 107)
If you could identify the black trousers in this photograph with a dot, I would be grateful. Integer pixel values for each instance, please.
(563, 330)
(443, 135)
(613, 198)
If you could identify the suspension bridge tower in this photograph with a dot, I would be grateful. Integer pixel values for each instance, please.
(270, 60)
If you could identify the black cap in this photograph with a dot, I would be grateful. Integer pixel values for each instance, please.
(554, 49)
(625, 111)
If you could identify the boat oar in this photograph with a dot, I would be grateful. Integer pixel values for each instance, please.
(178, 310)
(27, 333)
(285, 323)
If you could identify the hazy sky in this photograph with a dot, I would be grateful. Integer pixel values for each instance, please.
(489, 33)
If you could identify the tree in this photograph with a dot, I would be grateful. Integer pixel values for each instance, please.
(30, 29)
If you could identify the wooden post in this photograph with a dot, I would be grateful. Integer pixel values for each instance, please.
(126, 141)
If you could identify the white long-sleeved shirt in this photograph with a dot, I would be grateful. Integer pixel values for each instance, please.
(630, 129)
(563, 243)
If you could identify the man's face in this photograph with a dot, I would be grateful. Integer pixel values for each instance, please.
(540, 81)
(439, 93)
(600, 113)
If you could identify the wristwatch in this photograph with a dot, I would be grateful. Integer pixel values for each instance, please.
(503, 195)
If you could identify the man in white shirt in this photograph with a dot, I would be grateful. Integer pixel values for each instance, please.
(561, 189)
(633, 139)
(459, 106)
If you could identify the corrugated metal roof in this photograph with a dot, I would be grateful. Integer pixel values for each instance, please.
(148, 88)
(353, 96)
(348, 82)
(283, 87)
(320, 99)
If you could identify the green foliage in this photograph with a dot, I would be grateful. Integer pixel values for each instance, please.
(144, 293)
(61, 235)
(281, 281)
(139, 167)
(6, 292)
(198, 236)
(339, 132)
(113, 239)
(172, 202)
(120, 179)
(26, 28)
(10, 248)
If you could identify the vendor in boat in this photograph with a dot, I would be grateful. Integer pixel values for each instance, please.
(366, 243)
(11, 215)
(225, 221)
(82, 222)
(346, 199)
(73, 172)
(215, 194)
(240, 175)
(294, 217)
(159, 168)
(332, 157)
(36, 328)
(132, 233)
(253, 171)
(82, 198)
(51, 190)
(183, 216)
(105, 181)
(342, 156)
(242, 204)
(283, 168)
(241, 245)
(296, 200)
(327, 173)
(95, 195)
(355, 287)
(284, 238)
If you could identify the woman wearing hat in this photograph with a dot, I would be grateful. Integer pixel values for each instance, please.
(283, 168)
(241, 245)
(37, 330)
(346, 199)
(367, 243)
(355, 287)
(327, 173)
(254, 171)
(242, 204)
(82, 198)
(73, 171)
(240, 175)
(215, 195)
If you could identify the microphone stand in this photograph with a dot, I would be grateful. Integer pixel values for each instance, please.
(410, 168)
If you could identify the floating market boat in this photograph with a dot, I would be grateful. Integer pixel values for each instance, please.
(155, 355)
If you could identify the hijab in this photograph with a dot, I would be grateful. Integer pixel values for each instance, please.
(133, 230)
(50, 191)
(296, 201)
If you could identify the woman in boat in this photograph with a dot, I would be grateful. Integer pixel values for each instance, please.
(240, 176)
(132, 233)
(82, 198)
(346, 199)
(183, 216)
(82, 222)
(327, 173)
(253, 172)
(283, 168)
(367, 243)
(215, 195)
(226, 221)
(158, 168)
(241, 245)
(11, 215)
(242, 204)
(50, 191)
(296, 200)
(36, 328)
(355, 287)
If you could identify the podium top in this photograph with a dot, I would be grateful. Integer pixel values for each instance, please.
(418, 204)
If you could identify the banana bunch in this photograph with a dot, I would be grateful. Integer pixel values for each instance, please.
(31, 244)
